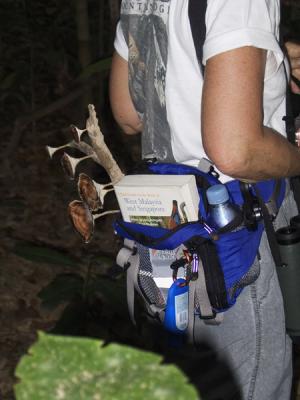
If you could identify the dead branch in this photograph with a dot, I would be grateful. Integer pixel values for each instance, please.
(101, 150)
(91, 193)
(96, 150)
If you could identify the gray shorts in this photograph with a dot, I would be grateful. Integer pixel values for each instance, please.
(248, 356)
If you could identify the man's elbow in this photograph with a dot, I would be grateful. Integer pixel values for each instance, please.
(236, 168)
(233, 162)
(131, 129)
(128, 121)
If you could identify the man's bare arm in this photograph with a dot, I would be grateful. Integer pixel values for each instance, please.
(232, 119)
(121, 103)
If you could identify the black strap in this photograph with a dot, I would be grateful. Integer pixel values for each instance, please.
(149, 241)
(270, 231)
(290, 128)
(197, 11)
(289, 117)
(214, 276)
(291, 136)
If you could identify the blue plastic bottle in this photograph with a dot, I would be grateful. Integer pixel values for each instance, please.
(221, 210)
(176, 314)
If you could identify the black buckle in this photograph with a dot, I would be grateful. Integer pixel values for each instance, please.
(175, 267)
(208, 317)
(213, 172)
(251, 207)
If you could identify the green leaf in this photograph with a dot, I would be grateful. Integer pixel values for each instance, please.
(44, 255)
(99, 66)
(61, 290)
(67, 368)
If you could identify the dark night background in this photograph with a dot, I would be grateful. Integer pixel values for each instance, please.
(54, 61)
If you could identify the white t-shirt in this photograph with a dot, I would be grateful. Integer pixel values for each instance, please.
(230, 24)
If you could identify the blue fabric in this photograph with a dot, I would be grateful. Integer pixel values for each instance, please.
(266, 189)
(236, 250)
(180, 169)
(180, 235)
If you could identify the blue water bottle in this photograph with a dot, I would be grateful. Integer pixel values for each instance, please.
(221, 210)
(176, 313)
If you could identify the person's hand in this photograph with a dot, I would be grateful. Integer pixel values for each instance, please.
(293, 50)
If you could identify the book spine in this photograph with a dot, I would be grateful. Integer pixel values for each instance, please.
(191, 200)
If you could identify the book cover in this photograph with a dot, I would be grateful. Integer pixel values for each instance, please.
(158, 200)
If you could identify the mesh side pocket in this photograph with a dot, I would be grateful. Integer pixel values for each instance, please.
(246, 279)
(145, 278)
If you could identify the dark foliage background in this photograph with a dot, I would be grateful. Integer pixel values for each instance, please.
(53, 62)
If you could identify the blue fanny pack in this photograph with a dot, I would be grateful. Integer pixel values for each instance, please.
(227, 255)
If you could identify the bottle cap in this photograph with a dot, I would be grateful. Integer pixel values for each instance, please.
(295, 221)
(288, 235)
(217, 194)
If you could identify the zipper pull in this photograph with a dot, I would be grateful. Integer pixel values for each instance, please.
(195, 265)
(212, 232)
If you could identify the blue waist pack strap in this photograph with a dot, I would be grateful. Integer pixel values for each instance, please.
(227, 254)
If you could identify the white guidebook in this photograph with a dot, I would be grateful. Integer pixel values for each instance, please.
(159, 200)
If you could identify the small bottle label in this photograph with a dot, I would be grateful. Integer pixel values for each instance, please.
(181, 310)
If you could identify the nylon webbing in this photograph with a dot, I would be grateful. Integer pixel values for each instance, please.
(289, 117)
(269, 230)
(131, 283)
(272, 203)
(291, 131)
(197, 11)
(206, 310)
(129, 259)
(198, 291)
